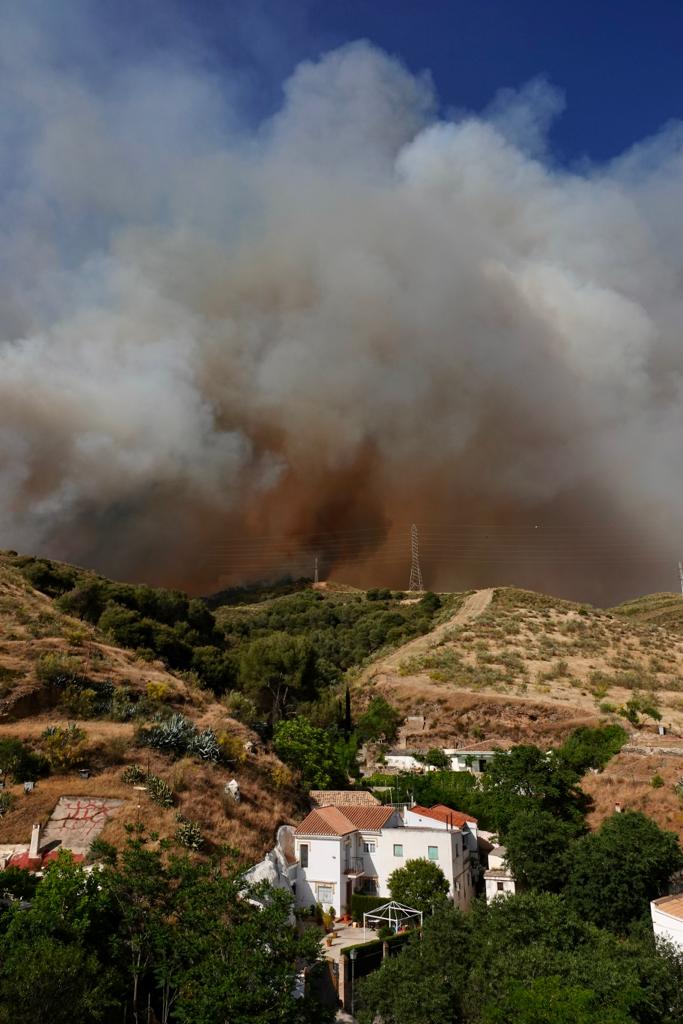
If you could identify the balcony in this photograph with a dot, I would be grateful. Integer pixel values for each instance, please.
(354, 867)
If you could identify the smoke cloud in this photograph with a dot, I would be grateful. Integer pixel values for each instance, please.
(224, 348)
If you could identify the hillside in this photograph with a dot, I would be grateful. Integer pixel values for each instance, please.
(515, 666)
(491, 667)
(46, 654)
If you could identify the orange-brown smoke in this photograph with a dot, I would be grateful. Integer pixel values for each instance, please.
(226, 351)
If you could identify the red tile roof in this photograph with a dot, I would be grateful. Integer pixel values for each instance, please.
(332, 821)
(22, 860)
(439, 812)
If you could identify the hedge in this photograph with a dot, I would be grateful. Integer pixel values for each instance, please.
(365, 948)
(362, 904)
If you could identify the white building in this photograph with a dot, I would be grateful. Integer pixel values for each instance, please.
(498, 878)
(667, 919)
(340, 851)
(405, 761)
(475, 761)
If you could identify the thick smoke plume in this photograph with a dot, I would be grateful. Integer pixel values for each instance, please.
(223, 349)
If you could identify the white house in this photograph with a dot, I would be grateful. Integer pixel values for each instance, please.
(405, 761)
(340, 851)
(475, 761)
(498, 878)
(667, 919)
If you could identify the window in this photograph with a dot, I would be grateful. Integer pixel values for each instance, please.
(500, 886)
(325, 894)
(369, 847)
(398, 849)
(433, 852)
(303, 855)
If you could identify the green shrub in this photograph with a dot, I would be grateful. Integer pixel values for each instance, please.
(63, 746)
(6, 802)
(20, 762)
(178, 736)
(189, 834)
(657, 781)
(362, 904)
(133, 775)
(124, 704)
(159, 791)
(78, 702)
(58, 669)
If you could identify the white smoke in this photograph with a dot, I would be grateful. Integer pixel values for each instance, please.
(351, 313)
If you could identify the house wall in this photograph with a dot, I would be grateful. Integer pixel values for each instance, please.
(475, 761)
(666, 926)
(492, 883)
(325, 867)
(406, 763)
(415, 843)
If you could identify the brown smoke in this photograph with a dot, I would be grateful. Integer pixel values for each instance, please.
(226, 351)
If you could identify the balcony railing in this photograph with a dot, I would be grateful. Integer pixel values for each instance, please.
(354, 866)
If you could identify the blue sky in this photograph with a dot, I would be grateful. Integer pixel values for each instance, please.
(618, 63)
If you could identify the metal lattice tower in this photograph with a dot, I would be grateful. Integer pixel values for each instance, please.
(415, 571)
(680, 574)
(315, 571)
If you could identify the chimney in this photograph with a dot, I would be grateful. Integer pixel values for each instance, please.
(34, 858)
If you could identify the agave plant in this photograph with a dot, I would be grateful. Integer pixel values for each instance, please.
(173, 735)
(205, 745)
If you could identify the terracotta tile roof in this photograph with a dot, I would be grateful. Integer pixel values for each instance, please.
(671, 905)
(342, 797)
(439, 812)
(22, 860)
(331, 821)
(373, 818)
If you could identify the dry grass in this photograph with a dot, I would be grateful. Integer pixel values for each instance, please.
(538, 666)
(627, 780)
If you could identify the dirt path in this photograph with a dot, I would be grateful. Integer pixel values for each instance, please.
(471, 607)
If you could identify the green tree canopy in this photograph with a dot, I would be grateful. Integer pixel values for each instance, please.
(538, 846)
(526, 774)
(587, 748)
(312, 752)
(616, 871)
(275, 669)
(420, 884)
(379, 722)
(531, 959)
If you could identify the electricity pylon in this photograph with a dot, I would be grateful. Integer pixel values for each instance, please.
(415, 571)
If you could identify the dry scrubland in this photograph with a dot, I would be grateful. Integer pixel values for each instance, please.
(30, 627)
(501, 666)
(522, 667)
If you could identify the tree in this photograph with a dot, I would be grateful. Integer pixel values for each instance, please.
(424, 984)
(528, 959)
(587, 748)
(276, 668)
(310, 751)
(437, 758)
(58, 946)
(615, 872)
(538, 846)
(549, 1000)
(420, 884)
(19, 761)
(380, 721)
(45, 981)
(526, 774)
